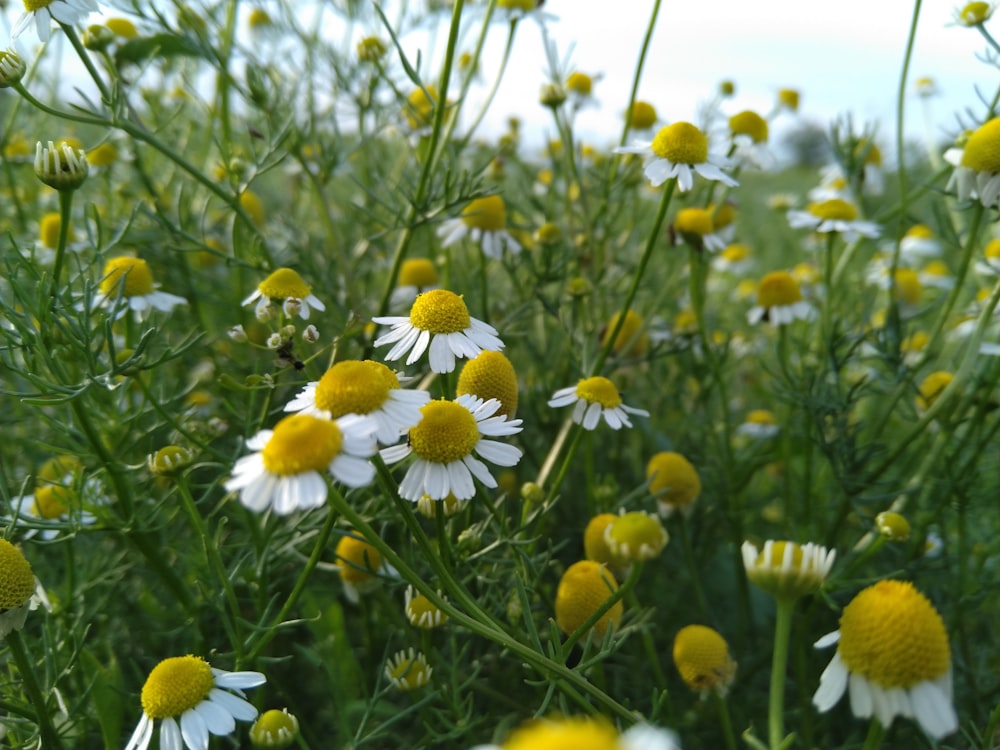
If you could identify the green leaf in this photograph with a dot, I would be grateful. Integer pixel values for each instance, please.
(158, 45)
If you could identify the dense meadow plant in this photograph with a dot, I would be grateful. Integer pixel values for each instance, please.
(330, 422)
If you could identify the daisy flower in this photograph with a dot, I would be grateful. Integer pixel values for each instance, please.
(44, 12)
(834, 215)
(20, 591)
(642, 116)
(989, 266)
(779, 301)
(919, 242)
(192, 700)
(633, 536)
(438, 321)
(893, 659)
(358, 565)
(446, 442)
(282, 285)
(127, 284)
(977, 165)
(512, 10)
(583, 589)
(735, 259)
(490, 375)
(585, 732)
(759, 424)
(749, 133)
(365, 388)
(49, 227)
(408, 670)
(594, 398)
(416, 276)
(673, 481)
(702, 658)
(695, 225)
(679, 151)
(53, 508)
(422, 612)
(483, 220)
(787, 570)
(284, 472)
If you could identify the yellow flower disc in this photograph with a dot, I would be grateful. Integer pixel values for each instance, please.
(595, 546)
(518, 4)
(982, 150)
(777, 289)
(253, 205)
(630, 333)
(636, 536)
(672, 479)
(835, 208)
(908, 287)
(423, 613)
(52, 501)
(490, 375)
(440, 311)
(992, 250)
(17, 582)
(694, 221)
(284, 283)
(57, 468)
(274, 729)
(408, 670)
(761, 417)
(931, 388)
(642, 116)
(446, 432)
(48, 230)
(122, 27)
(735, 253)
(360, 559)
(722, 216)
(580, 83)
(584, 587)
(574, 733)
(892, 526)
(301, 443)
(488, 214)
(749, 123)
(419, 106)
(137, 278)
(920, 232)
(789, 98)
(701, 656)
(418, 272)
(354, 387)
(599, 390)
(102, 156)
(681, 143)
(176, 685)
(891, 634)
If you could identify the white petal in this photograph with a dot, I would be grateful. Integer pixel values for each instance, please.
(933, 709)
(862, 700)
(498, 453)
(217, 720)
(832, 684)
(395, 453)
(238, 680)
(142, 735)
(352, 471)
(170, 735)
(419, 346)
(239, 708)
(460, 479)
(658, 171)
(442, 358)
(592, 416)
(437, 483)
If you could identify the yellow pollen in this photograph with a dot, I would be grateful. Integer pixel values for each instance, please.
(418, 272)
(681, 143)
(176, 685)
(575, 733)
(48, 230)
(52, 501)
(360, 559)
(736, 252)
(488, 214)
(301, 443)
(440, 311)
(835, 209)
(354, 387)
(284, 283)
(749, 123)
(777, 289)
(982, 150)
(701, 656)
(599, 390)
(490, 375)
(584, 587)
(931, 388)
(446, 432)
(135, 275)
(642, 116)
(17, 582)
(518, 4)
(992, 250)
(920, 232)
(891, 634)
(694, 221)
(672, 479)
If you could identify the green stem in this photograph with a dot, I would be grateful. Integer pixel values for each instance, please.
(43, 715)
(875, 734)
(725, 720)
(779, 665)
(65, 209)
(564, 468)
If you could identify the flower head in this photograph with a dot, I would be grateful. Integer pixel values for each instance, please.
(977, 165)
(919, 241)
(893, 658)
(61, 166)
(408, 670)
(593, 398)
(779, 301)
(789, 99)
(974, 14)
(438, 321)
(416, 276)
(358, 563)
(679, 151)
(274, 729)
(422, 612)
(366, 388)
(484, 220)
(787, 570)
(642, 116)
(12, 68)
(701, 656)
(759, 423)
(931, 388)
(448, 442)
(128, 281)
(892, 526)
(585, 733)
(192, 700)
(20, 591)
(490, 375)
(284, 472)
(673, 481)
(696, 226)
(44, 12)
(635, 536)
(582, 590)
(833, 215)
(285, 284)
(595, 543)
(632, 340)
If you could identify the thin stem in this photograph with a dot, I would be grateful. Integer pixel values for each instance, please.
(65, 208)
(725, 720)
(43, 715)
(779, 664)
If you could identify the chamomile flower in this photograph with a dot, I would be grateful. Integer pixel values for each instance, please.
(642, 116)
(439, 322)
(834, 215)
(285, 284)
(422, 612)
(635, 536)
(749, 133)
(702, 658)
(358, 565)
(483, 220)
(695, 225)
(673, 481)
(365, 388)
(977, 165)
(735, 259)
(583, 589)
(680, 151)
(787, 570)
(937, 275)
(20, 591)
(54, 507)
(408, 670)
(779, 301)
(919, 242)
(632, 339)
(448, 442)
(760, 424)
(585, 733)
(44, 12)
(192, 700)
(513, 10)
(274, 729)
(127, 284)
(593, 398)
(416, 276)
(284, 472)
(490, 375)
(893, 659)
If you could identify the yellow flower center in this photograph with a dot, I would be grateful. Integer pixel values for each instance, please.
(103, 155)
(992, 250)
(595, 545)
(133, 273)
(17, 582)
(418, 272)
(672, 479)
(169, 459)
(835, 208)
(907, 286)
(52, 501)
(354, 387)
(488, 214)
(915, 342)
(973, 14)
(931, 388)
(490, 375)
(760, 416)
(681, 143)
(423, 613)
(576, 733)
(275, 729)
(408, 672)
(580, 83)
(584, 587)
(599, 390)
(419, 106)
(982, 150)
(736, 252)
(446, 432)
(176, 685)
(778, 555)
(48, 230)
(749, 123)
(936, 268)
(893, 526)
(57, 468)
(32, 5)
(891, 634)
(694, 221)
(777, 289)
(789, 98)
(440, 311)
(642, 116)
(301, 443)
(701, 656)
(631, 334)
(722, 215)
(122, 27)
(518, 4)
(360, 559)
(869, 151)
(284, 283)
(636, 536)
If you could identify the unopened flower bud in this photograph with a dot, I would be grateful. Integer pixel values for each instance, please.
(12, 68)
(552, 96)
(237, 334)
(310, 334)
(62, 168)
(274, 729)
(263, 313)
(287, 331)
(97, 37)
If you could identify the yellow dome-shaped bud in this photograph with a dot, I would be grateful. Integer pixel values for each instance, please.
(632, 340)
(17, 582)
(490, 375)
(701, 656)
(982, 150)
(642, 116)
(358, 560)
(931, 388)
(274, 730)
(595, 546)
(749, 123)
(176, 685)
(673, 481)
(892, 526)
(583, 588)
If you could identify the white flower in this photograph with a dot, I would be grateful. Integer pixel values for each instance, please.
(834, 215)
(128, 280)
(69, 12)
(286, 285)
(779, 301)
(594, 398)
(679, 151)
(448, 442)
(977, 166)
(484, 221)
